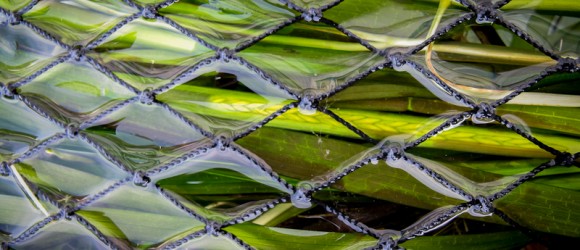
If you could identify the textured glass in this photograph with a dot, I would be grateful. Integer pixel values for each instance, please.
(18, 210)
(21, 129)
(311, 67)
(289, 124)
(74, 92)
(228, 23)
(62, 235)
(509, 63)
(70, 170)
(23, 52)
(230, 170)
(226, 98)
(556, 30)
(13, 4)
(138, 217)
(130, 134)
(137, 56)
(394, 23)
(79, 21)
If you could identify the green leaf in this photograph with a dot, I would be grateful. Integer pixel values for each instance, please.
(273, 238)
(395, 186)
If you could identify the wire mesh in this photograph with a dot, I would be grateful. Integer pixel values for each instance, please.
(130, 179)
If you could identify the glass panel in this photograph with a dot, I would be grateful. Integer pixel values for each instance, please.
(21, 129)
(77, 22)
(481, 61)
(311, 58)
(13, 4)
(18, 210)
(62, 235)
(553, 25)
(23, 52)
(74, 92)
(228, 23)
(543, 208)
(226, 98)
(136, 54)
(144, 136)
(550, 113)
(138, 215)
(222, 185)
(274, 237)
(318, 154)
(395, 23)
(391, 104)
(70, 170)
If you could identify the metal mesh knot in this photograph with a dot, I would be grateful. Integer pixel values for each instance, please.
(565, 159)
(149, 12)
(6, 91)
(312, 15)
(301, 199)
(212, 228)
(66, 212)
(12, 18)
(568, 64)
(224, 54)
(484, 113)
(71, 131)
(147, 97)
(482, 207)
(4, 168)
(222, 142)
(77, 53)
(140, 179)
(308, 102)
(485, 12)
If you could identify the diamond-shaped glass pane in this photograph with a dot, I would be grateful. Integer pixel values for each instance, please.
(74, 92)
(491, 138)
(14, 4)
(395, 23)
(392, 104)
(483, 62)
(226, 98)
(211, 242)
(255, 236)
(228, 23)
(222, 184)
(149, 2)
(21, 129)
(17, 210)
(543, 208)
(62, 235)
(550, 111)
(22, 52)
(302, 63)
(392, 183)
(317, 218)
(138, 215)
(78, 21)
(494, 154)
(321, 150)
(144, 136)
(551, 24)
(307, 4)
(149, 53)
(70, 170)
